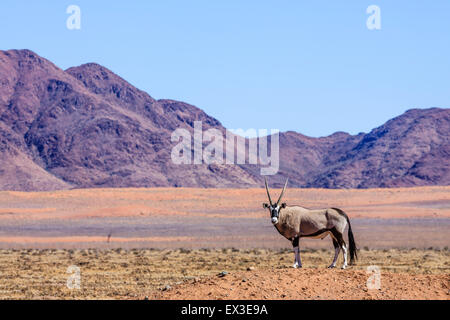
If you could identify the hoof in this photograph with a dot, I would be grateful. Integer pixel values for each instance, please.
(331, 267)
(296, 266)
(344, 267)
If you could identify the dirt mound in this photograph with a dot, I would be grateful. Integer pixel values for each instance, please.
(310, 284)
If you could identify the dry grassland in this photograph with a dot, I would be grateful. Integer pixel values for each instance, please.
(134, 274)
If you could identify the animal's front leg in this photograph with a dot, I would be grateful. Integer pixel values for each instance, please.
(297, 261)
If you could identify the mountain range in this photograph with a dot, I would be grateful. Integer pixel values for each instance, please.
(86, 127)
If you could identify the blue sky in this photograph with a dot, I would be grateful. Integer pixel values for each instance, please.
(307, 66)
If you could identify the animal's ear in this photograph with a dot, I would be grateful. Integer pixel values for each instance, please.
(283, 205)
(265, 205)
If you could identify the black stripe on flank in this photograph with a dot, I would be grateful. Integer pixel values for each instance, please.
(317, 233)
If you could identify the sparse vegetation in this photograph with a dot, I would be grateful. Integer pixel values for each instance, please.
(118, 273)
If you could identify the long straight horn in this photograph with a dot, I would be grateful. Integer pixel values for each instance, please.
(267, 189)
(282, 192)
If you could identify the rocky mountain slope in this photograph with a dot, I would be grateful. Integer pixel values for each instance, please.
(87, 127)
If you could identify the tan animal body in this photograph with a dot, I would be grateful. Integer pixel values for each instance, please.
(295, 222)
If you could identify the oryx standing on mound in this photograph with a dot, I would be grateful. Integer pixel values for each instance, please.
(297, 222)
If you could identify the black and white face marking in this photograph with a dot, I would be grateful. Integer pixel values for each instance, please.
(274, 213)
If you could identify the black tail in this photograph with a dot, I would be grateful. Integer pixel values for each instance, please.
(351, 239)
(352, 244)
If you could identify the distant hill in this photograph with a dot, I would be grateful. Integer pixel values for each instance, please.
(410, 150)
(87, 127)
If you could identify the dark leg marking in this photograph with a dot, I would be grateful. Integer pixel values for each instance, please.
(295, 242)
(338, 236)
(297, 261)
(335, 244)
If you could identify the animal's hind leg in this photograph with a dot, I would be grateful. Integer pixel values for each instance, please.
(297, 261)
(336, 253)
(344, 252)
(340, 240)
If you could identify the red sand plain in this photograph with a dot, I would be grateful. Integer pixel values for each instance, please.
(213, 217)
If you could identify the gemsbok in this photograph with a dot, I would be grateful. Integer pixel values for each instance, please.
(295, 222)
